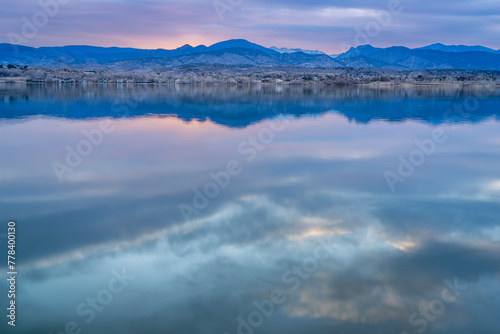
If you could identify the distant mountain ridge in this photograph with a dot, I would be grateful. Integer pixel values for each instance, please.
(458, 48)
(287, 50)
(361, 50)
(230, 57)
(398, 57)
(240, 52)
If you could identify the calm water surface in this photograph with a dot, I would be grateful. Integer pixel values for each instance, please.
(191, 209)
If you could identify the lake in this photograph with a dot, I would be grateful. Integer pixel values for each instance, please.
(252, 209)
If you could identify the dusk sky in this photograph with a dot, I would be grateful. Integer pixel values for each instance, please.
(328, 26)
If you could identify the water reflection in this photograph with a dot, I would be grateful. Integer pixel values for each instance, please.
(239, 106)
(320, 181)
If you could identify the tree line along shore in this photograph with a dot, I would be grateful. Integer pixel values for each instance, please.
(251, 75)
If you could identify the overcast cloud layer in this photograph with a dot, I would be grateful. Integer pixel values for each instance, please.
(329, 26)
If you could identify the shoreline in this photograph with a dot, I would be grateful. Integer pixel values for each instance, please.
(376, 84)
(369, 85)
(200, 75)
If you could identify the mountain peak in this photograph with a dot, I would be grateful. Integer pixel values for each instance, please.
(240, 43)
(365, 46)
(359, 50)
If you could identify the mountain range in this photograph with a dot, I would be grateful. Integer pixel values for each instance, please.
(239, 52)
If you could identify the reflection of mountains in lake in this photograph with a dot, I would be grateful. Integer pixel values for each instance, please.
(239, 106)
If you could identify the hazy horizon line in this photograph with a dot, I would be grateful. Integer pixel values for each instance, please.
(231, 39)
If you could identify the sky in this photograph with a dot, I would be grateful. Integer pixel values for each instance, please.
(330, 26)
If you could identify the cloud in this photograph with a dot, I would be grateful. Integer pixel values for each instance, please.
(323, 25)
